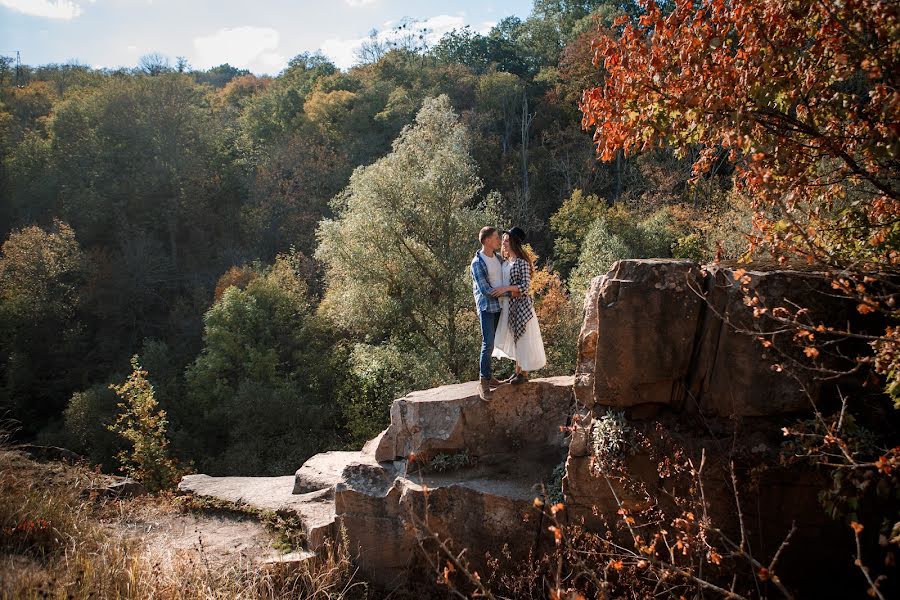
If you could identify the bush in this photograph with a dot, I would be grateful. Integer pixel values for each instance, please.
(560, 316)
(144, 426)
(259, 398)
(380, 375)
(570, 224)
(617, 234)
(87, 419)
(272, 428)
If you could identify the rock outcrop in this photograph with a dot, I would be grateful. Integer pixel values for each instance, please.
(670, 333)
(504, 450)
(452, 418)
(661, 345)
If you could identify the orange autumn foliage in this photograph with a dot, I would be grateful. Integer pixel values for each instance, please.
(802, 99)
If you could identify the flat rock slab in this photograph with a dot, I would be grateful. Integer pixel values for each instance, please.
(219, 540)
(517, 418)
(315, 509)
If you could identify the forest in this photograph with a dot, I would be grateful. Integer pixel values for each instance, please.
(271, 253)
(206, 221)
(214, 272)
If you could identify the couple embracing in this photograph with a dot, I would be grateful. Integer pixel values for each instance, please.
(501, 277)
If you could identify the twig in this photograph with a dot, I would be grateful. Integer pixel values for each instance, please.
(873, 588)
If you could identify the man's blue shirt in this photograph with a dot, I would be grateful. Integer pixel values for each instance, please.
(481, 287)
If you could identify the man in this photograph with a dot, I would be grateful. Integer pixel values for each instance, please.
(487, 274)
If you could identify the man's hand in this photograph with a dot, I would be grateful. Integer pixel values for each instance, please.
(497, 292)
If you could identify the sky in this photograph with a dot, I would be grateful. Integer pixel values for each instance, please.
(259, 35)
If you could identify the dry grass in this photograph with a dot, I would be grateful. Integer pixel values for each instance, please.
(57, 540)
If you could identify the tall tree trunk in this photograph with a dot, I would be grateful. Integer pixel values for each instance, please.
(525, 130)
(618, 174)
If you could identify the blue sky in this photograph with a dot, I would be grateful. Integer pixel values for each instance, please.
(260, 35)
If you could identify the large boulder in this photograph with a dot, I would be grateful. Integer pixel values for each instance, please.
(517, 419)
(732, 373)
(323, 471)
(639, 329)
(514, 441)
(670, 333)
(389, 526)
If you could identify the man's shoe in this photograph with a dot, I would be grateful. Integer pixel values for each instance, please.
(496, 382)
(519, 378)
(484, 388)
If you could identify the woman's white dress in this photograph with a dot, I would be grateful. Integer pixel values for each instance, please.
(529, 350)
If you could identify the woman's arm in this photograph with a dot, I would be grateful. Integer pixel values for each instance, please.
(508, 289)
(522, 273)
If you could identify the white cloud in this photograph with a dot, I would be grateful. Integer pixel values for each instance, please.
(355, 3)
(343, 51)
(254, 48)
(49, 9)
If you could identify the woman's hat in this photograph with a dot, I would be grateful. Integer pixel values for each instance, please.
(518, 233)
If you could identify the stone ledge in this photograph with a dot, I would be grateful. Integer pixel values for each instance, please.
(452, 418)
(315, 509)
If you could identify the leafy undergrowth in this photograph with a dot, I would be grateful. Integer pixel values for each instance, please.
(60, 540)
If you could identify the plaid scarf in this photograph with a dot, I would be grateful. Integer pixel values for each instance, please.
(521, 309)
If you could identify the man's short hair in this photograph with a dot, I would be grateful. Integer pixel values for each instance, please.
(486, 232)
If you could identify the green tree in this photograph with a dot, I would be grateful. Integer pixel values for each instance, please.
(570, 224)
(396, 253)
(87, 419)
(618, 233)
(41, 277)
(143, 425)
(259, 396)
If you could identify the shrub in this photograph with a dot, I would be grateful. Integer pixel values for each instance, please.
(570, 224)
(144, 426)
(380, 375)
(87, 419)
(559, 315)
(443, 462)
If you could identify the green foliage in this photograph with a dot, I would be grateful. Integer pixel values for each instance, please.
(610, 439)
(554, 487)
(444, 462)
(87, 419)
(397, 251)
(259, 396)
(143, 425)
(688, 246)
(614, 236)
(570, 225)
(379, 375)
(40, 274)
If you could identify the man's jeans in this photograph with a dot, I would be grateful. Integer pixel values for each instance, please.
(489, 322)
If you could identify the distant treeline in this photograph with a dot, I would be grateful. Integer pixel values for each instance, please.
(173, 214)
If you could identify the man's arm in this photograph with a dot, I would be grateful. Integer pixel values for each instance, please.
(480, 276)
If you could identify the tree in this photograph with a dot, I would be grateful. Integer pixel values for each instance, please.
(570, 225)
(218, 77)
(618, 233)
(154, 64)
(41, 277)
(143, 425)
(396, 253)
(259, 396)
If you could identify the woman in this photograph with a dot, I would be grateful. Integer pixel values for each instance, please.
(518, 333)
